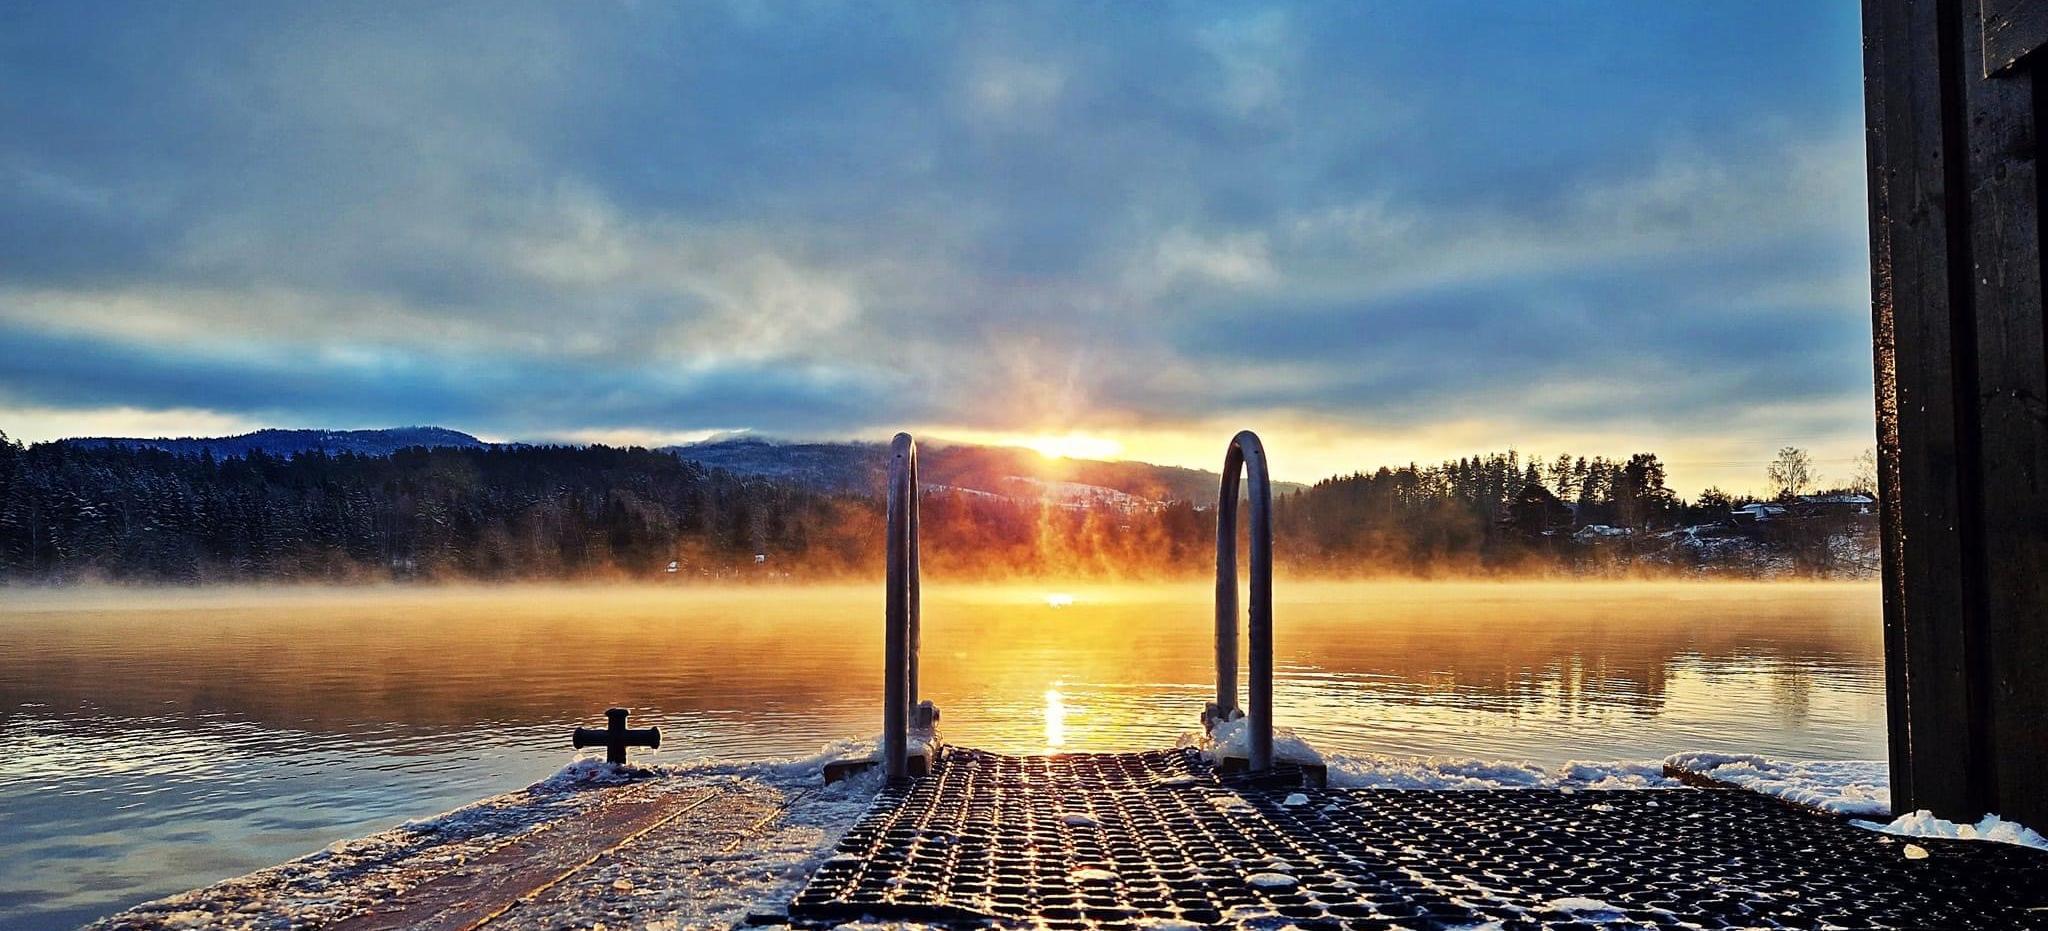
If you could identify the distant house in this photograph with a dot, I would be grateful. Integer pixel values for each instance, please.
(1535, 512)
(1837, 503)
(1759, 511)
(1594, 533)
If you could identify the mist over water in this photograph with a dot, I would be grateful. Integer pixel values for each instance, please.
(161, 740)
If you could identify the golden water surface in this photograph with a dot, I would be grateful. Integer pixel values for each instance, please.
(160, 740)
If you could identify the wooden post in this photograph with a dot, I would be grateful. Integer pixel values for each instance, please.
(1952, 90)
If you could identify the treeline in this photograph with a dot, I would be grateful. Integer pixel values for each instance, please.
(71, 513)
(1446, 518)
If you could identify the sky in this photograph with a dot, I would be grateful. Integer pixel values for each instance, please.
(1374, 232)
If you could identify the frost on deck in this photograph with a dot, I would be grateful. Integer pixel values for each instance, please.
(739, 836)
(745, 838)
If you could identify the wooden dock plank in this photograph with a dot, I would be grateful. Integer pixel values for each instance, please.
(529, 866)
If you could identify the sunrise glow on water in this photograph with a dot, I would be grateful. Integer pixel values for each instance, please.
(225, 707)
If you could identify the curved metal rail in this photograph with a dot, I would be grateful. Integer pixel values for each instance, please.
(899, 690)
(1248, 455)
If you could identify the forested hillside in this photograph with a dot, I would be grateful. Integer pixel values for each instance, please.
(288, 443)
(71, 513)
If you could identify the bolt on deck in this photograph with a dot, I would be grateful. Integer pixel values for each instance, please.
(1112, 840)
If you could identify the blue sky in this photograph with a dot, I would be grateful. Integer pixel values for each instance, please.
(1375, 232)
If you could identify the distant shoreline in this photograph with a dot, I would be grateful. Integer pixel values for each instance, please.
(29, 598)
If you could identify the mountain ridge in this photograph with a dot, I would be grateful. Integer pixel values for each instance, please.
(288, 442)
(845, 467)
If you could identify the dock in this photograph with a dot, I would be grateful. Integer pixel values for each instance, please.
(1162, 839)
(1240, 831)
(1246, 834)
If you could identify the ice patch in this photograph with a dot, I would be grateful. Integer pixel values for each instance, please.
(1295, 800)
(1166, 924)
(1246, 915)
(1272, 880)
(1923, 823)
(1231, 803)
(1093, 875)
(1380, 771)
(1080, 820)
(1582, 906)
(1842, 787)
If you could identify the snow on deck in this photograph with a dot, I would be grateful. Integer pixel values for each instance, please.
(1385, 771)
(1860, 789)
(1838, 787)
(774, 825)
(1376, 771)
(1923, 823)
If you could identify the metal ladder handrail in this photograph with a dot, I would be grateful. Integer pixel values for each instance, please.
(1248, 455)
(901, 608)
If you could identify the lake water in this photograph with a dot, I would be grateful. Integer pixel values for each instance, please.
(159, 741)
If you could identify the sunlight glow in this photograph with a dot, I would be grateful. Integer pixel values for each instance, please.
(1058, 599)
(1072, 446)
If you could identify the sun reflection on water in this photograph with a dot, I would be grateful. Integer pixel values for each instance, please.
(1055, 717)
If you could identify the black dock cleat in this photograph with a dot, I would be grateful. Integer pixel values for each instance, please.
(616, 737)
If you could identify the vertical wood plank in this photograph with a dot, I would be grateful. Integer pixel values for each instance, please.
(1920, 227)
(2012, 428)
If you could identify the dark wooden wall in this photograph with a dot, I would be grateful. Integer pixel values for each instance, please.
(1956, 94)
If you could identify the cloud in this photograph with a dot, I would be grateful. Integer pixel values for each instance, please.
(1257, 60)
(1005, 91)
(1184, 258)
(35, 424)
(993, 218)
(342, 388)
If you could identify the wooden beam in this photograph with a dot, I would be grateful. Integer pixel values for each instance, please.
(1880, 137)
(2012, 433)
(1917, 244)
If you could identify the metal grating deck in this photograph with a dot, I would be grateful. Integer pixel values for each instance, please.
(1086, 841)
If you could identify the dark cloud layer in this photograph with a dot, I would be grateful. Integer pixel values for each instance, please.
(833, 219)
